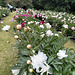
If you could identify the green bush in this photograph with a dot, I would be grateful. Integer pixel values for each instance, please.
(3, 12)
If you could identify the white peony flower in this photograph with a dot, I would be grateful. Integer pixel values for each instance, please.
(24, 73)
(6, 28)
(65, 26)
(44, 69)
(48, 25)
(42, 35)
(29, 22)
(39, 61)
(61, 54)
(41, 26)
(59, 32)
(56, 35)
(49, 33)
(36, 23)
(15, 72)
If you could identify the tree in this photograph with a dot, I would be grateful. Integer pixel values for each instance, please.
(20, 3)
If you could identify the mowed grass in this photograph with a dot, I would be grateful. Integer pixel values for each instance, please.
(7, 53)
(70, 44)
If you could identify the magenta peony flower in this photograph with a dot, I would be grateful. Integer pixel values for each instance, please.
(34, 16)
(23, 24)
(22, 15)
(28, 12)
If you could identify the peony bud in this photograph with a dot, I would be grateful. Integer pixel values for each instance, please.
(28, 28)
(28, 46)
(8, 41)
(23, 19)
(28, 62)
(16, 37)
(33, 51)
(25, 29)
(30, 70)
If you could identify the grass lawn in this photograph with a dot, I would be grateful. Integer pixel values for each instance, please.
(70, 44)
(7, 53)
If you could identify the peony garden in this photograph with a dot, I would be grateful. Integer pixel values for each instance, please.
(36, 42)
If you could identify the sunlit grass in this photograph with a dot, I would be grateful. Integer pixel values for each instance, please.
(7, 53)
(70, 44)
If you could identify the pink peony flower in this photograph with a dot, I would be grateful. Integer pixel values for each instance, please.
(34, 14)
(1, 22)
(16, 11)
(30, 15)
(74, 22)
(62, 20)
(11, 19)
(73, 28)
(17, 16)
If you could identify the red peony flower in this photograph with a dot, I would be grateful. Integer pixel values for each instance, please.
(42, 22)
(23, 24)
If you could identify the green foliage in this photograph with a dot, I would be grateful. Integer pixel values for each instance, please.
(63, 5)
(20, 3)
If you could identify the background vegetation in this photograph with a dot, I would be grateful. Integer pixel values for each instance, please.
(57, 5)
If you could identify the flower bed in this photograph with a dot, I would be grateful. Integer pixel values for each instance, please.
(61, 21)
(40, 46)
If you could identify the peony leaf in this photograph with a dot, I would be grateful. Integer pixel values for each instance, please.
(56, 67)
(22, 71)
(50, 59)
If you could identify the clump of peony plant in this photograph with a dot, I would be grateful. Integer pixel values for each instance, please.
(41, 50)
